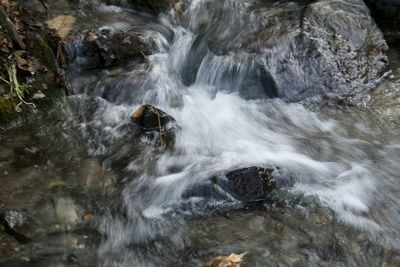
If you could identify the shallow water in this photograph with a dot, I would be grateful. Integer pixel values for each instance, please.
(343, 210)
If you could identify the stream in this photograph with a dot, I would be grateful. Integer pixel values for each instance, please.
(102, 195)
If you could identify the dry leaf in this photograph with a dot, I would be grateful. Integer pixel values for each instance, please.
(26, 63)
(233, 260)
(62, 24)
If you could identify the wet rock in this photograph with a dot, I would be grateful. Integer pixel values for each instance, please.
(18, 224)
(41, 50)
(339, 37)
(155, 122)
(250, 184)
(306, 48)
(102, 48)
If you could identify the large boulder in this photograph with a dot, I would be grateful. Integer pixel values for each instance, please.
(251, 184)
(306, 48)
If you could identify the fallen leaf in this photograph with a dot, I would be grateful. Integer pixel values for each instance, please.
(233, 260)
(62, 24)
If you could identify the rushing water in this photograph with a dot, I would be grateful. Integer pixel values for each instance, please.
(344, 207)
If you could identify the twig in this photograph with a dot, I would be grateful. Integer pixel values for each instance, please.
(159, 128)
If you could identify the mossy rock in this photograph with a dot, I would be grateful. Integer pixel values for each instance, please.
(42, 51)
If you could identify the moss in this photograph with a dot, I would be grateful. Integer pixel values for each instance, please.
(7, 111)
(42, 51)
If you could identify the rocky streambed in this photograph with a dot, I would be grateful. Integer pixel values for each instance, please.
(270, 127)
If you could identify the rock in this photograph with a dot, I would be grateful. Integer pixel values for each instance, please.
(155, 122)
(250, 184)
(19, 225)
(101, 48)
(40, 49)
(306, 48)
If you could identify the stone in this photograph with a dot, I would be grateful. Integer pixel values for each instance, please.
(151, 6)
(153, 121)
(18, 224)
(102, 48)
(252, 184)
(306, 49)
(248, 183)
(151, 118)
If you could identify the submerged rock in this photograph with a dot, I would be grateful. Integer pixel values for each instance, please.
(250, 184)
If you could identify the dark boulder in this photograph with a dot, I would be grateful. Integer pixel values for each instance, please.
(252, 184)
(155, 123)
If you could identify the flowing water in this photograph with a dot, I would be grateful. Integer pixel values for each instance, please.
(344, 207)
